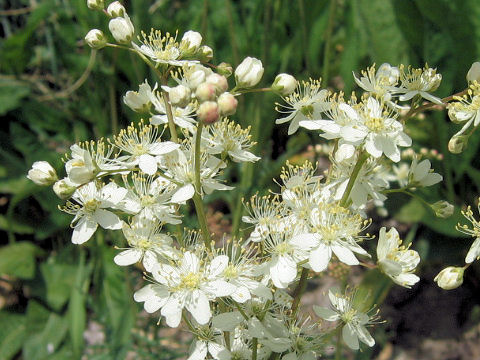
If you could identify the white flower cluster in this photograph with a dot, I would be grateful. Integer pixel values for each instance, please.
(234, 299)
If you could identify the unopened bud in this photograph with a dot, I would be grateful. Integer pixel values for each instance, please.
(208, 112)
(225, 69)
(205, 92)
(95, 4)
(42, 173)
(443, 209)
(457, 144)
(450, 277)
(139, 101)
(227, 104)
(192, 39)
(180, 96)
(115, 9)
(96, 39)
(249, 72)
(205, 53)
(474, 73)
(284, 84)
(64, 188)
(122, 29)
(220, 82)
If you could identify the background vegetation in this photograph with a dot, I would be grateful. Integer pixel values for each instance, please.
(53, 93)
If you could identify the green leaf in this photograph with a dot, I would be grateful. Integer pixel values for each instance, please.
(19, 260)
(45, 332)
(11, 95)
(59, 279)
(373, 290)
(12, 334)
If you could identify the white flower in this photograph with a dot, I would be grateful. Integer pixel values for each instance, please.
(473, 73)
(396, 261)
(144, 145)
(474, 252)
(421, 174)
(183, 117)
(249, 72)
(146, 243)
(91, 210)
(450, 278)
(285, 84)
(96, 39)
(139, 101)
(192, 76)
(306, 103)
(42, 173)
(466, 109)
(228, 138)
(354, 320)
(419, 82)
(162, 49)
(189, 285)
(266, 214)
(192, 40)
(202, 348)
(122, 29)
(380, 83)
(333, 229)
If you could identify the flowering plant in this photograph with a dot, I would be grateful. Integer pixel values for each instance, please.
(240, 297)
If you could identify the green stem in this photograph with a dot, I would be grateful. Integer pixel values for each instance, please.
(197, 197)
(254, 348)
(356, 170)
(246, 91)
(338, 348)
(171, 124)
(303, 26)
(328, 40)
(298, 292)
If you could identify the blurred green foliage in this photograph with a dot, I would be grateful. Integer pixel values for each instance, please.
(54, 92)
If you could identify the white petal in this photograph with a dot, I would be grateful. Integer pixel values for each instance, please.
(220, 288)
(473, 252)
(320, 257)
(227, 321)
(172, 311)
(283, 271)
(305, 241)
(107, 219)
(325, 313)
(365, 336)
(217, 266)
(198, 305)
(345, 255)
(218, 351)
(183, 194)
(163, 148)
(83, 230)
(128, 257)
(241, 294)
(199, 352)
(350, 337)
(148, 164)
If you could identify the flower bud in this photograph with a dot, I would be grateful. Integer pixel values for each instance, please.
(457, 144)
(285, 84)
(64, 188)
(205, 53)
(227, 104)
(139, 101)
(249, 72)
(42, 173)
(95, 4)
(180, 95)
(450, 277)
(192, 39)
(220, 82)
(122, 29)
(208, 112)
(115, 9)
(474, 73)
(225, 69)
(205, 92)
(443, 209)
(96, 39)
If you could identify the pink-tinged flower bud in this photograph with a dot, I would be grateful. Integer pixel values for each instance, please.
(205, 53)
(64, 188)
(96, 39)
(122, 29)
(249, 72)
(95, 4)
(180, 96)
(208, 112)
(450, 278)
(42, 173)
(193, 39)
(220, 82)
(205, 92)
(115, 9)
(284, 84)
(474, 73)
(225, 69)
(227, 104)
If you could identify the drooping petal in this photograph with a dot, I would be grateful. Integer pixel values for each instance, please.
(128, 257)
(183, 194)
(345, 255)
(320, 257)
(199, 351)
(325, 313)
(218, 352)
(83, 230)
(350, 337)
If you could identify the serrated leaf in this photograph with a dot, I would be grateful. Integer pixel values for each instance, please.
(18, 260)
(12, 334)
